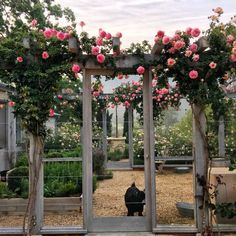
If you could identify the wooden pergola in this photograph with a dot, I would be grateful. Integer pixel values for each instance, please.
(149, 222)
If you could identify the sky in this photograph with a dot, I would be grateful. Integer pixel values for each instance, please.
(139, 20)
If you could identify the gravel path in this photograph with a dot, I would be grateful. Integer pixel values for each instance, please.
(109, 199)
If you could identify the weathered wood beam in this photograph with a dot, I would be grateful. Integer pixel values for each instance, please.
(122, 62)
(116, 45)
(157, 48)
(202, 43)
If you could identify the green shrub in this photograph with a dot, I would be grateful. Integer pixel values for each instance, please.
(126, 151)
(74, 153)
(17, 178)
(5, 192)
(115, 155)
(98, 162)
(24, 187)
(22, 160)
(53, 154)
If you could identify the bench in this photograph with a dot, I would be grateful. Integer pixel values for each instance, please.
(162, 161)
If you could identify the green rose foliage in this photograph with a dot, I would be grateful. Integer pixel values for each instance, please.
(214, 47)
(36, 79)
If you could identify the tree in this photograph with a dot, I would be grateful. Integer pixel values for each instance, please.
(33, 59)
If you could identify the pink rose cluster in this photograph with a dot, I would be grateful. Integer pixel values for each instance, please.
(50, 33)
(233, 51)
(96, 91)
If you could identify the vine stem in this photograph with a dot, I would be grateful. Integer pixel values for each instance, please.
(36, 147)
(206, 222)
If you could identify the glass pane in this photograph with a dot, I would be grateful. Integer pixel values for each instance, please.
(63, 160)
(174, 177)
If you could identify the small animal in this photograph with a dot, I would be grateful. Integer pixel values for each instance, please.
(134, 200)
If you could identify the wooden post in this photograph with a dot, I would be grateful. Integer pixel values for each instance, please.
(116, 45)
(39, 208)
(87, 150)
(130, 136)
(117, 130)
(104, 135)
(149, 163)
(221, 137)
(200, 163)
(11, 137)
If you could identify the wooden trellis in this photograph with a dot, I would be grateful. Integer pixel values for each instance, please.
(119, 224)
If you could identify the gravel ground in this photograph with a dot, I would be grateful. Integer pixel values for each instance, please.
(109, 199)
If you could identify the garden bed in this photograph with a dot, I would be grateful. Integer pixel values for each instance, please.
(108, 199)
(59, 205)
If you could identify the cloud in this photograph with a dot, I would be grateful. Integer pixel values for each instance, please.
(140, 19)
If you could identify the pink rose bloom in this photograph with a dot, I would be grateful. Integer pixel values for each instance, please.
(11, 104)
(19, 59)
(100, 58)
(188, 31)
(160, 34)
(179, 44)
(126, 104)
(119, 34)
(99, 41)
(218, 10)
(96, 93)
(45, 55)
(195, 32)
(234, 44)
(193, 47)
(116, 99)
(123, 96)
(233, 57)
(188, 53)
(230, 38)
(95, 50)
(176, 37)
(82, 24)
(165, 40)
(212, 65)
(102, 33)
(75, 68)
(171, 50)
(67, 35)
(140, 70)
(171, 62)
(34, 22)
(120, 76)
(195, 57)
(193, 74)
(154, 83)
(60, 35)
(108, 36)
(47, 33)
(59, 96)
(54, 32)
(51, 112)
(156, 39)
(233, 50)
